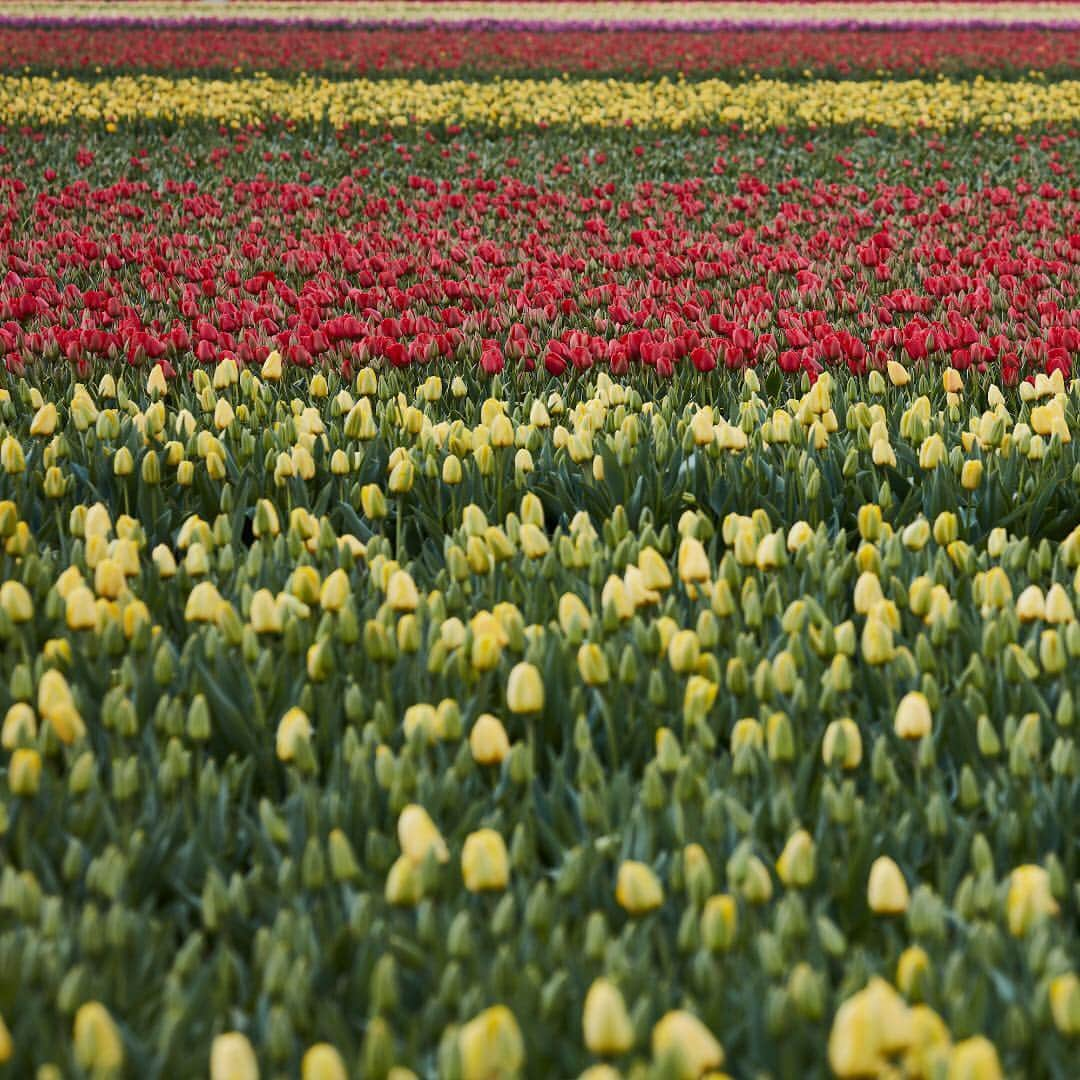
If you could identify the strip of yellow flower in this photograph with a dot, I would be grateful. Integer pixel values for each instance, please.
(361, 11)
(667, 104)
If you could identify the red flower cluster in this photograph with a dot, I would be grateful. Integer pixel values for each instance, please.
(564, 272)
(515, 50)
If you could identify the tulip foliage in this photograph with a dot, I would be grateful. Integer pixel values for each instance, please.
(428, 721)
(577, 582)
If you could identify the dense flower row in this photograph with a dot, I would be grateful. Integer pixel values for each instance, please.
(512, 103)
(395, 726)
(536, 264)
(560, 16)
(783, 52)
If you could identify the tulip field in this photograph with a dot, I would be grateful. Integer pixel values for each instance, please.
(539, 540)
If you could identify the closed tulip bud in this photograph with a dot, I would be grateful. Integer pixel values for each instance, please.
(402, 477)
(898, 374)
(373, 502)
(637, 889)
(20, 726)
(887, 891)
(719, 922)
(343, 864)
(869, 522)
(913, 719)
(534, 543)
(1030, 604)
(607, 1026)
(98, 1047)
(693, 563)
(1029, 900)
(491, 1045)
(946, 528)
(877, 642)
(932, 452)
(974, 1059)
(323, 1062)
(912, 970)
(293, 735)
(488, 741)
(843, 744)
(232, 1058)
(524, 689)
(685, 1045)
(485, 864)
(44, 422)
(593, 665)
(55, 485)
(401, 592)
(335, 591)
(866, 1028)
(7, 1048)
(57, 707)
(684, 652)
(419, 836)
(203, 603)
(24, 772)
(403, 883)
(15, 602)
(971, 474)
(12, 460)
(1065, 1003)
(796, 865)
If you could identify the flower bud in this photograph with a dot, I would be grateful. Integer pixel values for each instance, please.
(323, 1062)
(490, 1045)
(488, 741)
(607, 1027)
(913, 719)
(232, 1058)
(524, 689)
(485, 865)
(796, 864)
(1065, 1003)
(418, 835)
(887, 891)
(637, 889)
(685, 1045)
(974, 1059)
(98, 1047)
(1029, 900)
(24, 772)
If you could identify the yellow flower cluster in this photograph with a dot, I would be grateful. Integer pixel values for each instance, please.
(672, 104)
(361, 11)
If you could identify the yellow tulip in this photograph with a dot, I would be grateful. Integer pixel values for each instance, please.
(293, 729)
(485, 865)
(524, 689)
(488, 741)
(323, 1062)
(1029, 900)
(232, 1058)
(24, 772)
(606, 1023)
(637, 889)
(913, 718)
(418, 835)
(98, 1047)
(887, 891)
(491, 1046)
(682, 1039)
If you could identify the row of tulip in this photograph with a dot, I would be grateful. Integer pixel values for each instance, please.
(782, 53)
(708, 253)
(410, 725)
(556, 16)
(663, 104)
